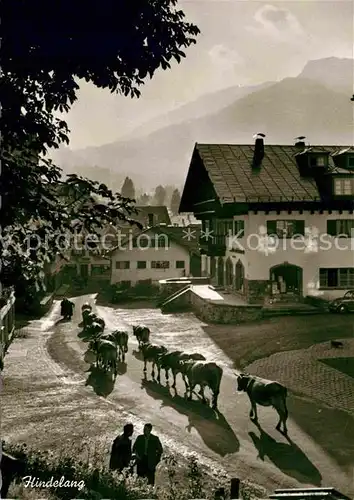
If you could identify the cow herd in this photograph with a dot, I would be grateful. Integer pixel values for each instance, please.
(104, 350)
(107, 350)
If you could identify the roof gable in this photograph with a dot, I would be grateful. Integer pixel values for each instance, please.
(189, 240)
(229, 167)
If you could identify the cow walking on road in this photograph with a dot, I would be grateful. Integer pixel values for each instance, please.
(151, 353)
(204, 374)
(265, 393)
(172, 360)
(120, 339)
(142, 334)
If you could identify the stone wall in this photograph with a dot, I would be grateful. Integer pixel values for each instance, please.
(211, 312)
(257, 291)
(168, 288)
(179, 303)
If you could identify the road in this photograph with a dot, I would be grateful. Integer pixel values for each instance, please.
(230, 442)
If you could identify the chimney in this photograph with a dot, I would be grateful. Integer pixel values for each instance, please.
(150, 220)
(299, 141)
(258, 154)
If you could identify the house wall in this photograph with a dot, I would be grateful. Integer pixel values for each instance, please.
(327, 251)
(172, 254)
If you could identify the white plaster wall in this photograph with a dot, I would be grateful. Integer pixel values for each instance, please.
(325, 251)
(172, 254)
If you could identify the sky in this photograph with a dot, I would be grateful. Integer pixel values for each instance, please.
(242, 42)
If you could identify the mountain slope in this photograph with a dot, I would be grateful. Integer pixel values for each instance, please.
(203, 106)
(333, 72)
(282, 111)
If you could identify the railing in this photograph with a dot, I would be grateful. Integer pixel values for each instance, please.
(7, 319)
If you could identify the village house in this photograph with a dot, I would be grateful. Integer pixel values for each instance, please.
(94, 264)
(157, 253)
(276, 220)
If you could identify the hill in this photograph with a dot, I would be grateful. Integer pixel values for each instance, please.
(282, 111)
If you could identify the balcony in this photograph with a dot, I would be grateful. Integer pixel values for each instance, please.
(214, 246)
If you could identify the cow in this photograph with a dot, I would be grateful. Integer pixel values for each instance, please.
(120, 339)
(86, 317)
(86, 307)
(94, 330)
(171, 360)
(152, 353)
(142, 334)
(265, 393)
(106, 355)
(202, 373)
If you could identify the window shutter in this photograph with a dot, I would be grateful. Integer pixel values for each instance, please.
(271, 227)
(300, 227)
(239, 227)
(331, 227)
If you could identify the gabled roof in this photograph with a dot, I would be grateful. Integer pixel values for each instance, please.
(179, 235)
(229, 168)
(159, 212)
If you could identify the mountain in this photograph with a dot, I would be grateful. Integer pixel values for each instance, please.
(282, 111)
(334, 73)
(203, 106)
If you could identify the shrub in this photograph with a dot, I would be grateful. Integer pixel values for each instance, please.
(101, 483)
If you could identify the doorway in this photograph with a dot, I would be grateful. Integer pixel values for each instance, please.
(286, 279)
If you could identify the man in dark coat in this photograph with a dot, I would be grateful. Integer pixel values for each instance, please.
(121, 453)
(148, 451)
(66, 308)
(11, 469)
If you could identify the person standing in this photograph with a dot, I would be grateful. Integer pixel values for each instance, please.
(121, 453)
(148, 450)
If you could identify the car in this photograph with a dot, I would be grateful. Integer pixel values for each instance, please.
(343, 304)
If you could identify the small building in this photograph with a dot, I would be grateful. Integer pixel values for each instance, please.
(276, 219)
(156, 253)
(92, 263)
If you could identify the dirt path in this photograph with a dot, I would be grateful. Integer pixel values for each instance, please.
(46, 402)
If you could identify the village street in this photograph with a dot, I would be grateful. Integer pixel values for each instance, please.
(45, 402)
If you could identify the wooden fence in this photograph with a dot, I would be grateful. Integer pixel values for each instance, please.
(7, 321)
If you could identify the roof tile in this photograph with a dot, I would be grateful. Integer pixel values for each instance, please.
(230, 169)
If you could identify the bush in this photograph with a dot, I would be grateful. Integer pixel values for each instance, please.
(101, 483)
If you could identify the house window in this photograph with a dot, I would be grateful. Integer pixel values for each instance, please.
(160, 264)
(180, 264)
(142, 241)
(351, 162)
(162, 241)
(318, 161)
(141, 264)
(239, 228)
(100, 270)
(125, 284)
(150, 220)
(341, 227)
(344, 187)
(342, 277)
(122, 264)
(285, 228)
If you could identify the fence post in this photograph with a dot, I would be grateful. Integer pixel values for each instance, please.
(235, 489)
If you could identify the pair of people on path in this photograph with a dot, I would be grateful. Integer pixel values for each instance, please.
(147, 449)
